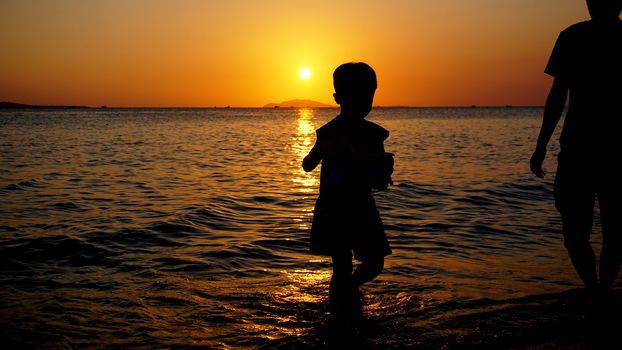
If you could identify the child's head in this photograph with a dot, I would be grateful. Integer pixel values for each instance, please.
(604, 10)
(355, 84)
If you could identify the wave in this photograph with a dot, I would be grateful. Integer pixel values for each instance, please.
(24, 185)
(57, 249)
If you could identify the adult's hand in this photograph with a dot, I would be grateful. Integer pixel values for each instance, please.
(536, 163)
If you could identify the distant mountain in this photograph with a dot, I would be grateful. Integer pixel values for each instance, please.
(21, 105)
(298, 104)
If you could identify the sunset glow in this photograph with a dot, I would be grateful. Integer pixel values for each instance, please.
(245, 54)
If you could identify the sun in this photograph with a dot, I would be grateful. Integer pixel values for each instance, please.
(304, 73)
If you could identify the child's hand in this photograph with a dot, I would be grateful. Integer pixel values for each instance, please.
(381, 170)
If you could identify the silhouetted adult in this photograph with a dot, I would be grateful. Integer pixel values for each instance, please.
(586, 64)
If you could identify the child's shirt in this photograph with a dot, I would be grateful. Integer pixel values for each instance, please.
(345, 215)
(345, 173)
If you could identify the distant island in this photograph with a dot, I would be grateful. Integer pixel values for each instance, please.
(22, 105)
(299, 104)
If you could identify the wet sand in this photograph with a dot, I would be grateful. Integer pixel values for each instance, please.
(566, 321)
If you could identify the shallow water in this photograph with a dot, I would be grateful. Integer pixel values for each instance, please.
(189, 227)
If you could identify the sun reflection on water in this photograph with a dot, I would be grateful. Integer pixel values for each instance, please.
(303, 286)
(301, 144)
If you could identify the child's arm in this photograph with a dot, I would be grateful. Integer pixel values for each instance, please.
(312, 159)
(323, 148)
(372, 156)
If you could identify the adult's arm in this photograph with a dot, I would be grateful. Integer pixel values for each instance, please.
(553, 110)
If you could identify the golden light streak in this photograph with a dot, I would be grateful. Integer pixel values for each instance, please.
(301, 144)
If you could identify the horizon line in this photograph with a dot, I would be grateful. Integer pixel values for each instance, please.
(15, 105)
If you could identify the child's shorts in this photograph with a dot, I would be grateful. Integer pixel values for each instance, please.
(357, 228)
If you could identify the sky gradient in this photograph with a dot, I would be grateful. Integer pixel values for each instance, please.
(248, 53)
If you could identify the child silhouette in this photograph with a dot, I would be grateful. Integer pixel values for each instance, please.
(354, 162)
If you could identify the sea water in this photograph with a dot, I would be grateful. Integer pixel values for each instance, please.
(160, 228)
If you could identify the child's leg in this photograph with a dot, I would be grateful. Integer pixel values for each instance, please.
(341, 281)
(369, 268)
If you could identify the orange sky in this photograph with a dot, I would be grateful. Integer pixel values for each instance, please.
(248, 53)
